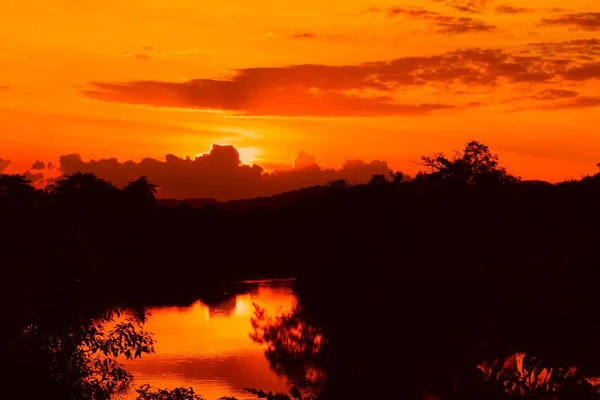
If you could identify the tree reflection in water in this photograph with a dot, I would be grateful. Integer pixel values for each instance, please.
(297, 347)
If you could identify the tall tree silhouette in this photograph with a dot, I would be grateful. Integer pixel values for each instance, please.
(141, 191)
(16, 188)
(83, 189)
(475, 165)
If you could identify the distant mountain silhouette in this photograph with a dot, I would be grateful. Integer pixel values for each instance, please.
(195, 203)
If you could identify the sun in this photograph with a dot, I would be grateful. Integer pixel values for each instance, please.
(249, 155)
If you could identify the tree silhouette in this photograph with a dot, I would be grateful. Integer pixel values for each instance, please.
(147, 392)
(76, 358)
(397, 177)
(338, 184)
(16, 188)
(475, 165)
(141, 191)
(83, 189)
(85, 181)
(377, 179)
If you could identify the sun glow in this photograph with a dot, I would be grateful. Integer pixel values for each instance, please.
(249, 155)
(243, 306)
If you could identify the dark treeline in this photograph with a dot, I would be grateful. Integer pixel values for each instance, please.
(405, 286)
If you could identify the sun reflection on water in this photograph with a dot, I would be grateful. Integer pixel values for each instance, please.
(210, 349)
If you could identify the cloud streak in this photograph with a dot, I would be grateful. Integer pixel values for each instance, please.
(361, 90)
(469, 6)
(587, 21)
(588, 48)
(443, 23)
(553, 94)
(560, 99)
(512, 10)
(245, 96)
(304, 35)
(579, 102)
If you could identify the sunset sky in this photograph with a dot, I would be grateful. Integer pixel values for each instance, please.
(355, 79)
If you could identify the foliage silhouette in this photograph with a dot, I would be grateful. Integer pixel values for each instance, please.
(475, 165)
(16, 189)
(294, 394)
(141, 191)
(77, 359)
(146, 392)
(338, 184)
(378, 179)
(398, 177)
(83, 191)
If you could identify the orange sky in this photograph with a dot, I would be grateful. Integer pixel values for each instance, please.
(387, 80)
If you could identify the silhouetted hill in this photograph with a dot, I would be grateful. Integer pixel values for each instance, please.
(287, 199)
(279, 200)
(195, 203)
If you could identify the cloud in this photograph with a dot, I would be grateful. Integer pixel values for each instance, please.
(3, 165)
(512, 10)
(585, 47)
(304, 161)
(508, 9)
(587, 21)
(558, 10)
(150, 52)
(583, 72)
(290, 91)
(367, 89)
(371, 10)
(142, 56)
(576, 103)
(219, 174)
(38, 165)
(304, 35)
(443, 23)
(560, 99)
(470, 6)
(553, 94)
(34, 178)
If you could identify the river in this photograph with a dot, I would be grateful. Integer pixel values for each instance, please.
(209, 348)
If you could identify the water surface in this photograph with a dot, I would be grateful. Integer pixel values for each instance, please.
(209, 348)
